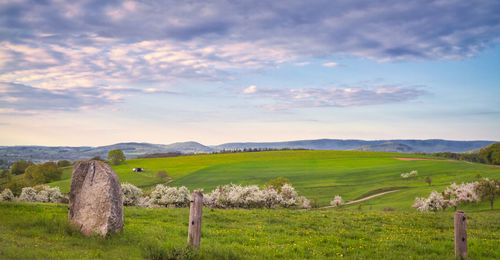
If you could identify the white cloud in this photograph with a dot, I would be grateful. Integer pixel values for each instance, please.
(335, 97)
(250, 90)
(330, 64)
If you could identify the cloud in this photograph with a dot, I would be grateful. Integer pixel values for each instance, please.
(250, 90)
(330, 64)
(392, 30)
(335, 97)
(28, 100)
(67, 44)
(152, 62)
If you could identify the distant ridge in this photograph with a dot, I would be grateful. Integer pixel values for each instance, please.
(422, 146)
(386, 147)
(134, 150)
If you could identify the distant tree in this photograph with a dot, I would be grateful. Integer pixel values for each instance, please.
(17, 185)
(162, 174)
(488, 189)
(47, 172)
(42, 173)
(97, 158)
(20, 166)
(116, 156)
(491, 154)
(63, 163)
(277, 183)
(4, 174)
(428, 180)
(28, 174)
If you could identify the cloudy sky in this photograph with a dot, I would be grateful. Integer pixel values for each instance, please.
(102, 72)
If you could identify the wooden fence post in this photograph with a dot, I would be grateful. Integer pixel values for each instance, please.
(195, 212)
(460, 235)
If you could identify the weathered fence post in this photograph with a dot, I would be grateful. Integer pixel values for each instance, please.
(460, 235)
(195, 212)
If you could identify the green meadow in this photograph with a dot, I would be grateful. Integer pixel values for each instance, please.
(385, 227)
(315, 174)
(29, 230)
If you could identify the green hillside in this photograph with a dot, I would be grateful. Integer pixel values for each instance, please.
(315, 174)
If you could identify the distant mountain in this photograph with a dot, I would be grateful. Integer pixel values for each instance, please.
(320, 144)
(188, 147)
(386, 147)
(131, 150)
(134, 150)
(423, 146)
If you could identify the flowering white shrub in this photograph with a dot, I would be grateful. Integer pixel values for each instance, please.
(28, 194)
(224, 196)
(420, 204)
(409, 174)
(170, 196)
(145, 202)
(6, 195)
(246, 197)
(337, 201)
(236, 196)
(131, 194)
(41, 193)
(434, 202)
(304, 203)
(453, 196)
(48, 194)
(219, 198)
(458, 194)
(272, 197)
(288, 195)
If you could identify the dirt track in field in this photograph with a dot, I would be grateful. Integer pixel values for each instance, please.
(422, 159)
(363, 199)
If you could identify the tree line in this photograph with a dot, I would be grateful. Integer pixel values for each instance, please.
(489, 155)
(36, 174)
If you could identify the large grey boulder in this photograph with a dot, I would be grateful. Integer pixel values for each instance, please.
(95, 199)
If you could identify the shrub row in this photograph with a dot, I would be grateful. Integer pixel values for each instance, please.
(224, 196)
(40, 193)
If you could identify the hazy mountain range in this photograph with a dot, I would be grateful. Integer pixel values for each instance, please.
(133, 150)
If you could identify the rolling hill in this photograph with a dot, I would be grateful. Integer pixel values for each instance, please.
(134, 150)
(315, 174)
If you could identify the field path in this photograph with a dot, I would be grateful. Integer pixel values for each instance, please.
(363, 199)
(423, 159)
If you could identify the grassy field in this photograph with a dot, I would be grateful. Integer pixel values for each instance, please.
(315, 174)
(362, 230)
(29, 230)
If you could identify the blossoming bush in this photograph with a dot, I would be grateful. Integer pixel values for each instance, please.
(131, 194)
(434, 202)
(458, 194)
(337, 201)
(453, 196)
(236, 196)
(407, 175)
(169, 196)
(6, 195)
(41, 193)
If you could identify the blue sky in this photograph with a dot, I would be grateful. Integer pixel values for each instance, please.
(102, 72)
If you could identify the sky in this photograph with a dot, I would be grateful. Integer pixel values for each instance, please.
(89, 73)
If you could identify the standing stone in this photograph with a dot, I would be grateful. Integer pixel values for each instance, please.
(95, 199)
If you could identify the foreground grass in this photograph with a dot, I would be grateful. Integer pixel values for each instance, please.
(29, 230)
